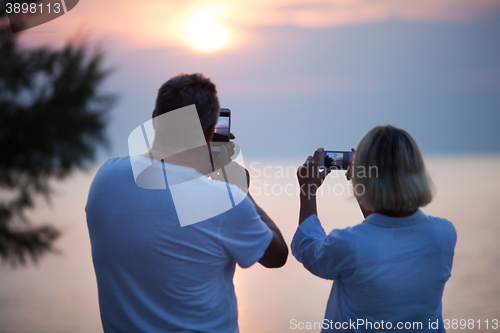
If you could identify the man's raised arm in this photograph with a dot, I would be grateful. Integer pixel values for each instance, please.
(277, 251)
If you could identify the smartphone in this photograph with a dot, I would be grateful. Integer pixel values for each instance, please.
(336, 160)
(223, 126)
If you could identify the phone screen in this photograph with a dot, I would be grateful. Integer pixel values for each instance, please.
(223, 126)
(336, 160)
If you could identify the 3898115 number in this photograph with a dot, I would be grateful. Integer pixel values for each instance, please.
(32, 8)
(470, 324)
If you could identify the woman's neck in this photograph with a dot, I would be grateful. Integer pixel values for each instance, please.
(397, 214)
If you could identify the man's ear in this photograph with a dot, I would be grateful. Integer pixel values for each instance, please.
(209, 134)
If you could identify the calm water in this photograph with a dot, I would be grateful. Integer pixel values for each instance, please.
(60, 294)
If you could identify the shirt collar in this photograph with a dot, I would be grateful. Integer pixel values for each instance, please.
(395, 222)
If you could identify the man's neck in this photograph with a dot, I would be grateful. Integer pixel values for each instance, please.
(198, 158)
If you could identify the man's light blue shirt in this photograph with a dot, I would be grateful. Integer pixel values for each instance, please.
(390, 269)
(154, 275)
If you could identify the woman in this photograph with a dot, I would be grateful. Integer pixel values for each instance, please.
(389, 270)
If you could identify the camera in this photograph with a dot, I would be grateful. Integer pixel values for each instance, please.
(336, 160)
(223, 126)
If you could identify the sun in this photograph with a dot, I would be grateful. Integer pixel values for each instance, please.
(206, 34)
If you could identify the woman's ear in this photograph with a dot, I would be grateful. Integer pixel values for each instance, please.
(209, 134)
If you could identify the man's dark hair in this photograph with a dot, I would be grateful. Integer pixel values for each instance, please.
(186, 89)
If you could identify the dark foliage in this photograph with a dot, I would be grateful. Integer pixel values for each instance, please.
(52, 119)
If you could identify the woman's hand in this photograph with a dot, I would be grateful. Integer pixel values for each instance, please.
(310, 179)
(348, 173)
(310, 176)
(367, 211)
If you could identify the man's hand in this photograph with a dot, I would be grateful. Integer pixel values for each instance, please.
(223, 157)
(228, 171)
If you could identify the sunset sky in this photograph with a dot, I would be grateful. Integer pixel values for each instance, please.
(300, 74)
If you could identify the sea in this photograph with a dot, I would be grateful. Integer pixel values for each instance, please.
(59, 293)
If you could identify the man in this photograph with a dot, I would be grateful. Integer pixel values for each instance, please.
(154, 275)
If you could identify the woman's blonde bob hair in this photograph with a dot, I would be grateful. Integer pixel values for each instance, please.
(389, 171)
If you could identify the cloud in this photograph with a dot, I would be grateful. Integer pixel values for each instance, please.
(160, 23)
(321, 14)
